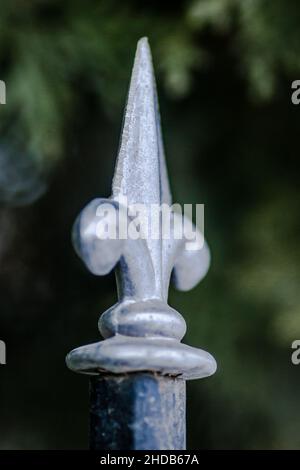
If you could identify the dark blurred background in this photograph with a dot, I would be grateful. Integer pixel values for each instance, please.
(224, 70)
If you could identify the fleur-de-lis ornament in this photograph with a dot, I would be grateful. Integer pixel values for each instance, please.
(141, 332)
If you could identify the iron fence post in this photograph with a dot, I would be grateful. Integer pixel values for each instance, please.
(138, 372)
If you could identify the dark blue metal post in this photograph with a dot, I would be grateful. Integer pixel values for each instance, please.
(137, 411)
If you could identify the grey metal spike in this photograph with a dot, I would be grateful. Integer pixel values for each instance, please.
(140, 172)
(142, 332)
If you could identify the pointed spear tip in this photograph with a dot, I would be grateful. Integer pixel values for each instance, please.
(143, 53)
(141, 155)
(143, 42)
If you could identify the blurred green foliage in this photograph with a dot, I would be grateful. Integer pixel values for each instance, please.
(224, 70)
(51, 51)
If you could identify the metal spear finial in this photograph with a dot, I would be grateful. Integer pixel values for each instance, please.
(142, 332)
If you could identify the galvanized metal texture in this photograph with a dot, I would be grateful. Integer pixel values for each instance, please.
(142, 332)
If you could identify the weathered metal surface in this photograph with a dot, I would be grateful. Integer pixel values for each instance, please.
(137, 411)
(142, 332)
